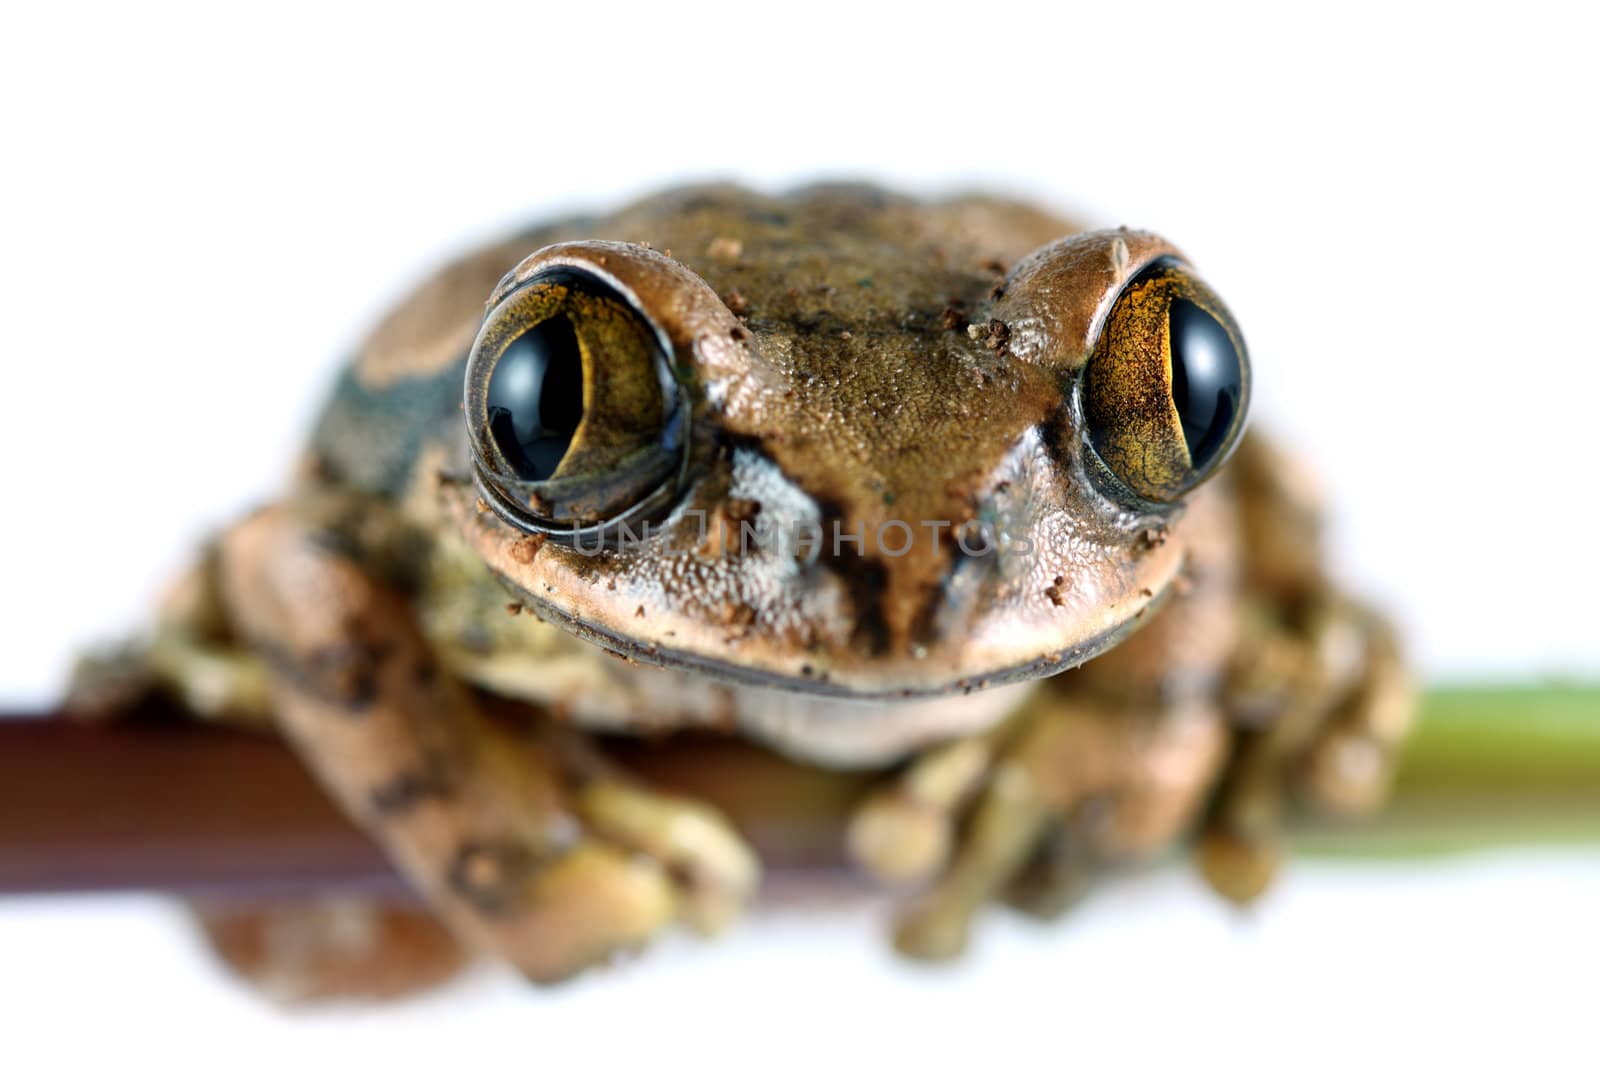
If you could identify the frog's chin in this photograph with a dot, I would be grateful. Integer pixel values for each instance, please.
(923, 676)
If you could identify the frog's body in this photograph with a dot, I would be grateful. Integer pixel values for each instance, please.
(848, 362)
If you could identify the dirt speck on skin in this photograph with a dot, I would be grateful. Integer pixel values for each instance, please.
(526, 548)
(997, 335)
(741, 510)
(736, 302)
(513, 608)
(1053, 591)
(1155, 538)
(994, 334)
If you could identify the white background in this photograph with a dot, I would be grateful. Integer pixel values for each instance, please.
(201, 211)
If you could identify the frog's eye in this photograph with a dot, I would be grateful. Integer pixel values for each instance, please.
(1166, 388)
(572, 407)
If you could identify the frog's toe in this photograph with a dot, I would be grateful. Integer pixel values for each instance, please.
(107, 683)
(904, 832)
(1006, 822)
(1349, 767)
(1061, 872)
(714, 872)
(589, 905)
(644, 862)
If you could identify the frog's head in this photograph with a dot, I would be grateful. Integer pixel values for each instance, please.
(858, 471)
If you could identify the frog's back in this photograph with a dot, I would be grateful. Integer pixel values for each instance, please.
(401, 394)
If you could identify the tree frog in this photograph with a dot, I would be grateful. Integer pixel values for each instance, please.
(951, 490)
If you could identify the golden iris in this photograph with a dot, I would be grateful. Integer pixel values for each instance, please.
(1167, 386)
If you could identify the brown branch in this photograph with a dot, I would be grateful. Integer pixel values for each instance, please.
(160, 803)
(156, 802)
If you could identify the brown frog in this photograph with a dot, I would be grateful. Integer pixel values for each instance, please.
(857, 476)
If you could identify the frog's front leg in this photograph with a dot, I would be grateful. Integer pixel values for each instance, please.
(524, 843)
(1321, 703)
(1076, 782)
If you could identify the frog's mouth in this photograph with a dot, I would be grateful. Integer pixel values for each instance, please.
(755, 620)
(919, 677)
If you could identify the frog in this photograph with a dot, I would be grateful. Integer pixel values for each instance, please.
(952, 492)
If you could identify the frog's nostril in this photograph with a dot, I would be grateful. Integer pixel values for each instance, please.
(953, 605)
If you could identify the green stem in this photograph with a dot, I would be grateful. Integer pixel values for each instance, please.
(1487, 766)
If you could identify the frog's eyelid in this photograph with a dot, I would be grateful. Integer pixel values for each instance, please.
(1129, 273)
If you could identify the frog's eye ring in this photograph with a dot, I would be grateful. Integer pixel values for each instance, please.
(1166, 389)
(574, 414)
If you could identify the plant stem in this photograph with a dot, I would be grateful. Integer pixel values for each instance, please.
(1488, 765)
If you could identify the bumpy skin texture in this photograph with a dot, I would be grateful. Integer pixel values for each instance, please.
(849, 356)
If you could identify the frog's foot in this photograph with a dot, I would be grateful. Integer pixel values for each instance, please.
(1075, 783)
(524, 842)
(191, 658)
(332, 949)
(1323, 702)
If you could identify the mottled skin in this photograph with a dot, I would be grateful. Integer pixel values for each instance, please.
(851, 356)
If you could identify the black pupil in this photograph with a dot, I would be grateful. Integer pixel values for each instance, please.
(536, 398)
(1205, 379)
